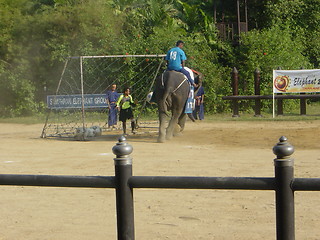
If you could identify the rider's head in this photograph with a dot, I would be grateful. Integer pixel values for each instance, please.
(180, 44)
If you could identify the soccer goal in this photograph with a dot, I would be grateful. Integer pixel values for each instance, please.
(78, 108)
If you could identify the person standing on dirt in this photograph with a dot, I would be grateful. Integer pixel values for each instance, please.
(112, 97)
(176, 58)
(124, 105)
(199, 108)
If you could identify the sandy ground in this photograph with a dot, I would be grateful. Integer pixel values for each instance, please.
(217, 149)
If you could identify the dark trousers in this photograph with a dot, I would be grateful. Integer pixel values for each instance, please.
(185, 72)
(198, 111)
(112, 117)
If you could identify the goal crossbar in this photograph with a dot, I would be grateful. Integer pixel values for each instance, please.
(119, 56)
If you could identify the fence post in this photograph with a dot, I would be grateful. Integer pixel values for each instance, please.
(279, 106)
(235, 91)
(303, 105)
(257, 107)
(284, 194)
(124, 193)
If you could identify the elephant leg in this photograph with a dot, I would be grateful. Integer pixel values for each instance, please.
(162, 127)
(172, 124)
(181, 123)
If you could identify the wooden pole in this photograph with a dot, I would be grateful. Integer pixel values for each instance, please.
(257, 107)
(235, 91)
(238, 15)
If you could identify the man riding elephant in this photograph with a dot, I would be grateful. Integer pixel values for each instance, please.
(176, 61)
(171, 94)
(172, 91)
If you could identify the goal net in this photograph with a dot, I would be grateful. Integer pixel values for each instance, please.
(78, 107)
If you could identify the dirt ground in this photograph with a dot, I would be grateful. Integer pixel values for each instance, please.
(217, 149)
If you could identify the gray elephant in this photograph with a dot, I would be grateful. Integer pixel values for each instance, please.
(171, 94)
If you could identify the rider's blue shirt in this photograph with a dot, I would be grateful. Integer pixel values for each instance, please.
(175, 56)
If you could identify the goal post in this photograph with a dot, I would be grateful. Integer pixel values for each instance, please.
(79, 101)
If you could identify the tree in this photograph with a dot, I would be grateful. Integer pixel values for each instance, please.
(266, 50)
(303, 18)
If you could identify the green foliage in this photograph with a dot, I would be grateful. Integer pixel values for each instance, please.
(36, 36)
(84, 29)
(16, 95)
(216, 79)
(302, 17)
(267, 50)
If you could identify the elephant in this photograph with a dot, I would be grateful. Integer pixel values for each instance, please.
(171, 93)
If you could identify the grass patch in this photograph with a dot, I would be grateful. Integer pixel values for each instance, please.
(313, 113)
(264, 117)
(25, 120)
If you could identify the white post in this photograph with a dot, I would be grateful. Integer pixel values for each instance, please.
(82, 94)
(273, 99)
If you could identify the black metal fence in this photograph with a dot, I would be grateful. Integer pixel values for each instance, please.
(284, 184)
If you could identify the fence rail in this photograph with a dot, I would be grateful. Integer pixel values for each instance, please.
(284, 184)
(235, 98)
(57, 181)
(241, 183)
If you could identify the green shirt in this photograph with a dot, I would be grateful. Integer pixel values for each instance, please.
(124, 102)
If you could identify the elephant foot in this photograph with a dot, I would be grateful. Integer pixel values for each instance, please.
(161, 140)
(178, 134)
(169, 137)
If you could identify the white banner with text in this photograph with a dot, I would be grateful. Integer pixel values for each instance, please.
(296, 81)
